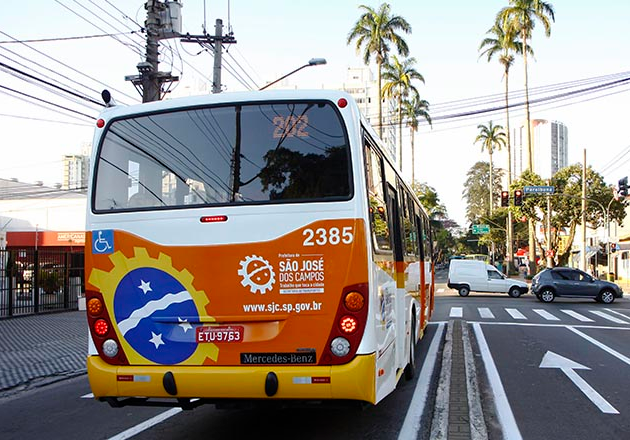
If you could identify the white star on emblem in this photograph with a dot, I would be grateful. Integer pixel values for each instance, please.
(156, 339)
(145, 286)
(183, 323)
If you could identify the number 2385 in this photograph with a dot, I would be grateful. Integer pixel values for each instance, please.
(322, 236)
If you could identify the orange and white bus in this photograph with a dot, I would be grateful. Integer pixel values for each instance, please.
(249, 247)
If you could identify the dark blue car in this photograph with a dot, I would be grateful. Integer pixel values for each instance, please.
(569, 282)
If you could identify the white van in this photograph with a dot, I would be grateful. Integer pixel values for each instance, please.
(476, 276)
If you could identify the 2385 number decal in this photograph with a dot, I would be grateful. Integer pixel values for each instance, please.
(322, 236)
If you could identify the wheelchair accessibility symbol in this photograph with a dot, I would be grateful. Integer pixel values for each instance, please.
(104, 241)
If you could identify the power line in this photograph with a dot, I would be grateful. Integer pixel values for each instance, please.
(46, 102)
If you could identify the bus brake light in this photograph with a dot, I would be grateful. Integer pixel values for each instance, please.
(101, 327)
(348, 324)
(213, 218)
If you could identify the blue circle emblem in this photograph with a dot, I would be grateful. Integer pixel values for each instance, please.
(156, 315)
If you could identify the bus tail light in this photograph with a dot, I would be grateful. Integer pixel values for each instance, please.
(349, 325)
(103, 334)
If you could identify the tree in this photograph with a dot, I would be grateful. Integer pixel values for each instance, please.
(412, 110)
(374, 31)
(491, 137)
(399, 76)
(476, 190)
(438, 217)
(503, 42)
(566, 204)
(520, 17)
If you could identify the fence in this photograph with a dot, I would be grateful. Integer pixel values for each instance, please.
(39, 281)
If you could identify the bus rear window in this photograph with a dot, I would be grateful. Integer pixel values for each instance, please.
(252, 153)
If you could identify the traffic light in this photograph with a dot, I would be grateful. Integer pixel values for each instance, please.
(518, 197)
(505, 198)
(623, 187)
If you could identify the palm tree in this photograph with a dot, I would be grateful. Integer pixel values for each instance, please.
(399, 76)
(412, 110)
(503, 41)
(520, 17)
(374, 31)
(491, 137)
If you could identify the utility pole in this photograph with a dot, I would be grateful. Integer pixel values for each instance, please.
(216, 41)
(163, 21)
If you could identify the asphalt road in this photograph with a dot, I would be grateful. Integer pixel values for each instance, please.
(546, 371)
(552, 371)
(64, 410)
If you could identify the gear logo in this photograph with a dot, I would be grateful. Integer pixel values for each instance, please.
(257, 274)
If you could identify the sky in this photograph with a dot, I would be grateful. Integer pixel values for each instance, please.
(587, 41)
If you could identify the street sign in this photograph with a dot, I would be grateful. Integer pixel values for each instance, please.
(480, 229)
(538, 189)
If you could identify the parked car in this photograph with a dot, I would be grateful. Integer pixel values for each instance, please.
(573, 283)
(476, 276)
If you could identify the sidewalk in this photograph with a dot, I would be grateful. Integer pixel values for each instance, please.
(40, 349)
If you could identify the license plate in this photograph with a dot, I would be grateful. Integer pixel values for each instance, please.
(220, 334)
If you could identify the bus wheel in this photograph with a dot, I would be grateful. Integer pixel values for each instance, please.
(410, 368)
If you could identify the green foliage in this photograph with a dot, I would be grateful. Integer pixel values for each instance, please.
(476, 190)
(50, 280)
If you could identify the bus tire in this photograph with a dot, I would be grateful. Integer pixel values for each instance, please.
(410, 368)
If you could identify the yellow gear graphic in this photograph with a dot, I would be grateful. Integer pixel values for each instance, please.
(107, 283)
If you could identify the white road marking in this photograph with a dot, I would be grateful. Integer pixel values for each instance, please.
(618, 313)
(456, 312)
(515, 314)
(577, 316)
(88, 396)
(606, 348)
(545, 314)
(411, 425)
(485, 312)
(441, 290)
(608, 317)
(135, 430)
(568, 367)
(504, 411)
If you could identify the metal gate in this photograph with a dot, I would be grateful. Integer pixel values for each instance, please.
(39, 281)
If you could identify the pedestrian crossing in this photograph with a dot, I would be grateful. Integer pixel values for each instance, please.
(523, 314)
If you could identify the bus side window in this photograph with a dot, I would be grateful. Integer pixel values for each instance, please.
(378, 209)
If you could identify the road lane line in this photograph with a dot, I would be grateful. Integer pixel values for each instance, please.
(456, 312)
(411, 425)
(501, 402)
(608, 317)
(515, 314)
(606, 348)
(577, 316)
(545, 314)
(485, 312)
(88, 396)
(135, 430)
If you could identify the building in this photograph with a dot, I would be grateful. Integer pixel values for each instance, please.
(36, 216)
(362, 86)
(76, 169)
(550, 141)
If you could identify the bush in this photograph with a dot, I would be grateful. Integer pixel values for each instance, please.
(49, 280)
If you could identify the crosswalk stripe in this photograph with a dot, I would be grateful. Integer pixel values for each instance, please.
(618, 313)
(608, 317)
(577, 316)
(515, 314)
(545, 314)
(485, 312)
(456, 312)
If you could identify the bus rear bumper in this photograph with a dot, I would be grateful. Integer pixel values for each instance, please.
(133, 385)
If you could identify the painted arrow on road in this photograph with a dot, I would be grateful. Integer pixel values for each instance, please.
(567, 366)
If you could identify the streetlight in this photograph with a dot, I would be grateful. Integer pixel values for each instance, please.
(311, 62)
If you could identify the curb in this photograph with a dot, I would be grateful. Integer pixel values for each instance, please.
(458, 413)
